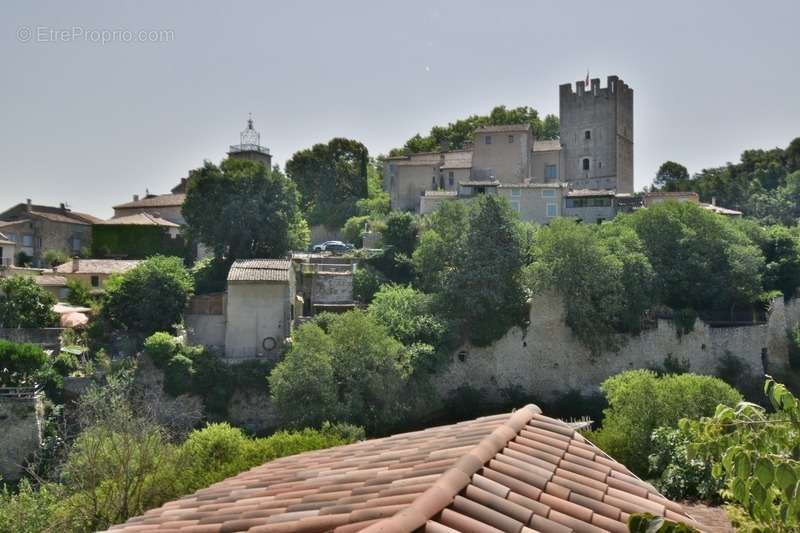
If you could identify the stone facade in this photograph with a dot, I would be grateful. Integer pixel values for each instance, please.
(546, 359)
(21, 420)
(597, 128)
(535, 202)
(595, 151)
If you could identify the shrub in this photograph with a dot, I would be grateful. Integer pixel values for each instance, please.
(24, 304)
(794, 347)
(159, 283)
(161, 347)
(79, 294)
(677, 475)
(350, 371)
(20, 364)
(31, 509)
(54, 258)
(210, 275)
(353, 229)
(407, 315)
(366, 282)
(640, 401)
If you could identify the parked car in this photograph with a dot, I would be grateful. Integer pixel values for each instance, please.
(336, 247)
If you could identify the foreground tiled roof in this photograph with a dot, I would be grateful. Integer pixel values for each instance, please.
(97, 266)
(260, 270)
(521, 473)
(161, 200)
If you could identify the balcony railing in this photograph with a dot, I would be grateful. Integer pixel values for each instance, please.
(249, 148)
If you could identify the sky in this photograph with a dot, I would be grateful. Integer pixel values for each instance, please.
(90, 123)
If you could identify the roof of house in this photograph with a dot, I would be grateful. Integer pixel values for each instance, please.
(591, 192)
(448, 194)
(50, 280)
(546, 145)
(534, 185)
(478, 183)
(156, 200)
(96, 266)
(5, 240)
(22, 211)
(502, 128)
(520, 472)
(260, 270)
(138, 219)
(457, 159)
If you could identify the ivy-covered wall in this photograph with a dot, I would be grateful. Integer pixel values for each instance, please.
(135, 242)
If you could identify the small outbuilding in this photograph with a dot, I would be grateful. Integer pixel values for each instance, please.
(259, 307)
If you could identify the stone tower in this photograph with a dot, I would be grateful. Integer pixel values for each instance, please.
(249, 147)
(597, 135)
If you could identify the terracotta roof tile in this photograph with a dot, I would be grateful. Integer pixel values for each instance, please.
(521, 472)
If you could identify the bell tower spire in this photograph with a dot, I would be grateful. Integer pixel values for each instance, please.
(249, 147)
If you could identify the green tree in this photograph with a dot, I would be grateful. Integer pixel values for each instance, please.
(639, 402)
(351, 373)
(757, 454)
(439, 244)
(401, 232)
(53, 258)
(303, 385)
(242, 209)
(408, 315)
(25, 304)
(602, 274)
(20, 364)
(702, 260)
(79, 294)
(331, 178)
(150, 297)
(377, 203)
(484, 290)
(671, 176)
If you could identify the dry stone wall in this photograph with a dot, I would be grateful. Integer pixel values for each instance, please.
(546, 359)
(21, 423)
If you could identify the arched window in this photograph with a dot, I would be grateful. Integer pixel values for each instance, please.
(585, 163)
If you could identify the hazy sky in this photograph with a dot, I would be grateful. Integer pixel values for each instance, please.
(91, 124)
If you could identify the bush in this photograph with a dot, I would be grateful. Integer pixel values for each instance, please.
(366, 283)
(353, 230)
(53, 258)
(210, 275)
(640, 401)
(24, 304)
(161, 347)
(159, 283)
(30, 509)
(677, 475)
(407, 315)
(79, 294)
(20, 364)
(351, 372)
(794, 347)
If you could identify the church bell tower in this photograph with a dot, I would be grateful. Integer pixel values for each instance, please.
(249, 147)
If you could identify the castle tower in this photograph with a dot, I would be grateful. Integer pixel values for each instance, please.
(597, 135)
(249, 147)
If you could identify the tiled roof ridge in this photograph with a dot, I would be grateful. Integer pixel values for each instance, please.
(444, 490)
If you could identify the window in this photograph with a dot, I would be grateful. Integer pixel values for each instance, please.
(548, 193)
(12, 237)
(550, 172)
(76, 244)
(516, 193)
(552, 210)
(63, 293)
(433, 182)
(487, 139)
(27, 240)
(587, 134)
(586, 163)
(515, 206)
(599, 164)
(95, 281)
(450, 179)
(510, 138)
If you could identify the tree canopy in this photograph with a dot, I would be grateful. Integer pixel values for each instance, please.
(25, 304)
(149, 297)
(455, 134)
(331, 178)
(242, 209)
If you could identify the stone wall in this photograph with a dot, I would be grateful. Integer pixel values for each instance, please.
(21, 423)
(46, 337)
(328, 287)
(205, 321)
(546, 359)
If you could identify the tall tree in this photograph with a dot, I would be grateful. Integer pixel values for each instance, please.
(25, 304)
(671, 176)
(331, 178)
(242, 209)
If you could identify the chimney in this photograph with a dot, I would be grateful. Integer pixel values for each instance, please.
(135, 197)
(29, 206)
(62, 206)
(75, 263)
